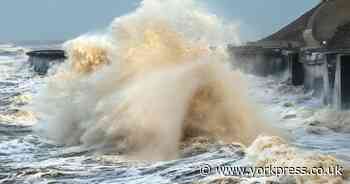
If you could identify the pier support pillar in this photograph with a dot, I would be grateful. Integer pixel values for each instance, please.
(343, 81)
(329, 75)
(296, 70)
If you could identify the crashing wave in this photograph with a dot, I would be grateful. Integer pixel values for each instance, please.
(159, 75)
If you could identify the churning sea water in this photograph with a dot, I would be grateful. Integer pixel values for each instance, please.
(150, 101)
(26, 157)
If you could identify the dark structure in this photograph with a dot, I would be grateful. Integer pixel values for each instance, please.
(41, 60)
(258, 60)
(316, 49)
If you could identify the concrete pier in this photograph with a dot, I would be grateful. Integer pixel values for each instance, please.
(41, 60)
(257, 60)
(316, 48)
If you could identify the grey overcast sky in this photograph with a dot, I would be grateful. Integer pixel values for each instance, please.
(22, 20)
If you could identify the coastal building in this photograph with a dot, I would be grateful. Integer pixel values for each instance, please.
(314, 49)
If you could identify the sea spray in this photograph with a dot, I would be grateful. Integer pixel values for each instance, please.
(159, 75)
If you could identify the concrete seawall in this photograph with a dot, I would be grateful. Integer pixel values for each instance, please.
(41, 60)
(325, 73)
(316, 48)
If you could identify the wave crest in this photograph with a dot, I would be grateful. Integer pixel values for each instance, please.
(159, 76)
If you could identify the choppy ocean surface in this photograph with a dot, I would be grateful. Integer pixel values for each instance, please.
(26, 157)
